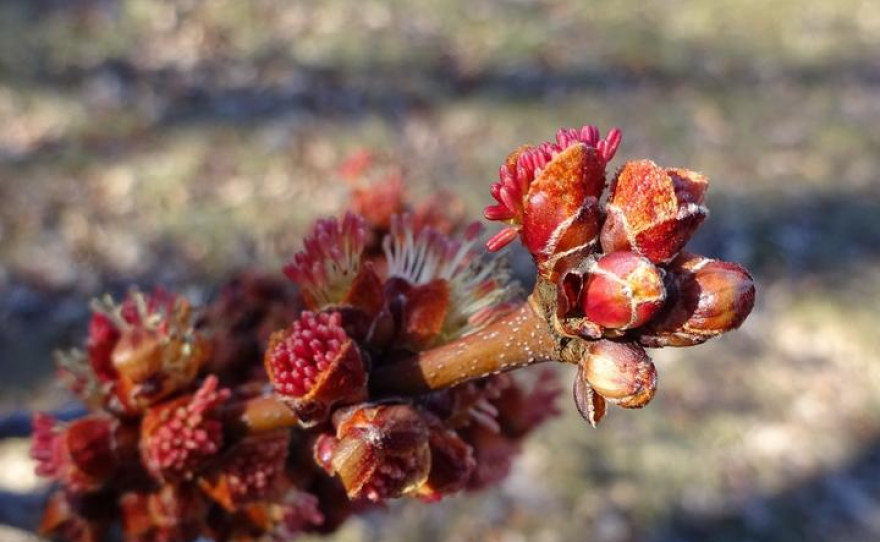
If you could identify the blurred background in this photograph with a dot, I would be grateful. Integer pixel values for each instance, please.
(170, 142)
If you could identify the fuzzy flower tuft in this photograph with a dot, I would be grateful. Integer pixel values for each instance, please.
(178, 436)
(479, 289)
(330, 260)
(314, 365)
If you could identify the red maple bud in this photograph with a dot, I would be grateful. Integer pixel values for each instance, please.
(179, 436)
(549, 194)
(707, 298)
(173, 513)
(158, 351)
(622, 373)
(623, 291)
(452, 462)
(330, 261)
(379, 452)
(248, 472)
(82, 455)
(652, 210)
(445, 290)
(314, 366)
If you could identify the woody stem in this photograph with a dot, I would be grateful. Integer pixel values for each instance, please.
(521, 338)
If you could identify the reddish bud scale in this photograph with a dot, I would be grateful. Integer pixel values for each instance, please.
(653, 211)
(178, 437)
(624, 290)
(314, 366)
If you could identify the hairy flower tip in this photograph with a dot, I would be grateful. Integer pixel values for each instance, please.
(653, 211)
(82, 455)
(622, 373)
(623, 291)
(515, 194)
(707, 298)
(314, 366)
(249, 472)
(174, 512)
(380, 451)
(479, 289)
(330, 260)
(154, 347)
(178, 437)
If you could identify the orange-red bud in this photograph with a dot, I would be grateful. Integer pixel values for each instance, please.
(652, 210)
(624, 290)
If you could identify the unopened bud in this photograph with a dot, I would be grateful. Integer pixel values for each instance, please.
(624, 290)
(707, 298)
(622, 373)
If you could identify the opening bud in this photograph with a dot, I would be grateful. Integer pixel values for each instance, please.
(178, 437)
(315, 366)
(380, 451)
(653, 211)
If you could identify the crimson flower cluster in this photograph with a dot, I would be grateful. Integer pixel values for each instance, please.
(614, 274)
(379, 369)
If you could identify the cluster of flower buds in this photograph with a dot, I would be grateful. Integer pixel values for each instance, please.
(613, 275)
(286, 408)
(255, 418)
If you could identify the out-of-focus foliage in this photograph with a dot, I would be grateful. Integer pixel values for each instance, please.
(149, 141)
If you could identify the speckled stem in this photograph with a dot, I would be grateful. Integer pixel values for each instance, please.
(521, 338)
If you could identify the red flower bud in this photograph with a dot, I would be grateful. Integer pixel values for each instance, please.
(624, 290)
(249, 472)
(380, 451)
(158, 351)
(653, 211)
(82, 455)
(707, 298)
(179, 436)
(549, 194)
(329, 263)
(315, 366)
(621, 373)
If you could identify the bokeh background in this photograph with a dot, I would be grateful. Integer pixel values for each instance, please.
(170, 142)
